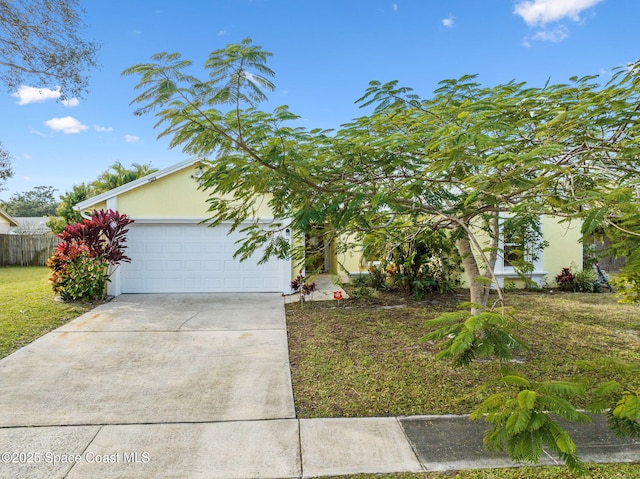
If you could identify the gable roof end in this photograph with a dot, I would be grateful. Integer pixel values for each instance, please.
(12, 221)
(134, 184)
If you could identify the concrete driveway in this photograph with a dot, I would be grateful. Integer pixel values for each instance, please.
(155, 359)
(151, 365)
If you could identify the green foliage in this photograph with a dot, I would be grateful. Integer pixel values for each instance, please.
(83, 279)
(628, 286)
(80, 263)
(624, 419)
(40, 46)
(614, 397)
(116, 175)
(37, 202)
(464, 337)
(455, 160)
(377, 277)
(449, 161)
(415, 260)
(585, 281)
(65, 214)
(522, 423)
(579, 281)
(5, 166)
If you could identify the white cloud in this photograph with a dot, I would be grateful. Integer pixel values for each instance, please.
(449, 21)
(394, 6)
(541, 12)
(554, 36)
(102, 129)
(131, 138)
(222, 32)
(71, 102)
(67, 125)
(29, 94)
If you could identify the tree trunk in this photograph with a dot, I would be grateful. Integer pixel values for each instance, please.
(479, 290)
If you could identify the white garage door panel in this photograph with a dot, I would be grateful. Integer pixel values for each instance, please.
(182, 258)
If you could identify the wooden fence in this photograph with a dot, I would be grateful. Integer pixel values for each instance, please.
(26, 250)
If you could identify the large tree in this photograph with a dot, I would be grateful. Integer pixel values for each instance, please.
(40, 43)
(38, 202)
(458, 160)
(465, 159)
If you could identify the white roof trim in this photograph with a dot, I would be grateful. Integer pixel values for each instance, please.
(134, 184)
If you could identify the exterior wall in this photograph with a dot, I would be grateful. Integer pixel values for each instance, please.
(98, 206)
(4, 225)
(564, 250)
(350, 261)
(173, 196)
(565, 246)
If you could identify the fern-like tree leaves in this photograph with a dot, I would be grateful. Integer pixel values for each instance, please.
(617, 398)
(464, 337)
(523, 419)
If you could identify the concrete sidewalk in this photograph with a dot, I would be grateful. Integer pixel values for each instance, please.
(280, 448)
(198, 386)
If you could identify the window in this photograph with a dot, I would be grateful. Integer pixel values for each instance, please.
(521, 244)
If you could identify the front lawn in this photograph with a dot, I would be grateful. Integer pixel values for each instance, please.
(29, 309)
(365, 359)
(596, 471)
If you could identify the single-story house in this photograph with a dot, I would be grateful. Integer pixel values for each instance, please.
(6, 222)
(174, 251)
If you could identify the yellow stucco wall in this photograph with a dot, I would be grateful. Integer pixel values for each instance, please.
(172, 196)
(564, 250)
(565, 247)
(350, 261)
(4, 224)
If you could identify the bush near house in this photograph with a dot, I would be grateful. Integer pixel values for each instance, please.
(82, 261)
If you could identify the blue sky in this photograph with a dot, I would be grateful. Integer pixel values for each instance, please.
(325, 54)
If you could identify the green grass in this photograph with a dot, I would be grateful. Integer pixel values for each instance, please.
(28, 307)
(596, 471)
(364, 358)
(360, 359)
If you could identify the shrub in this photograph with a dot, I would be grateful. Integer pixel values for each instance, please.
(578, 281)
(84, 279)
(565, 280)
(585, 281)
(300, 285)
(80, 263)
(415, 260)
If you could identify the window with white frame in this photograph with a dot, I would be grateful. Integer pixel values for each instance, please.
(521, 246)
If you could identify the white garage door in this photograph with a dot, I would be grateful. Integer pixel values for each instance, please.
(190, 258)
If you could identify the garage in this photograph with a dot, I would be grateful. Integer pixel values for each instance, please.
(184, 258)
(172, 250)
